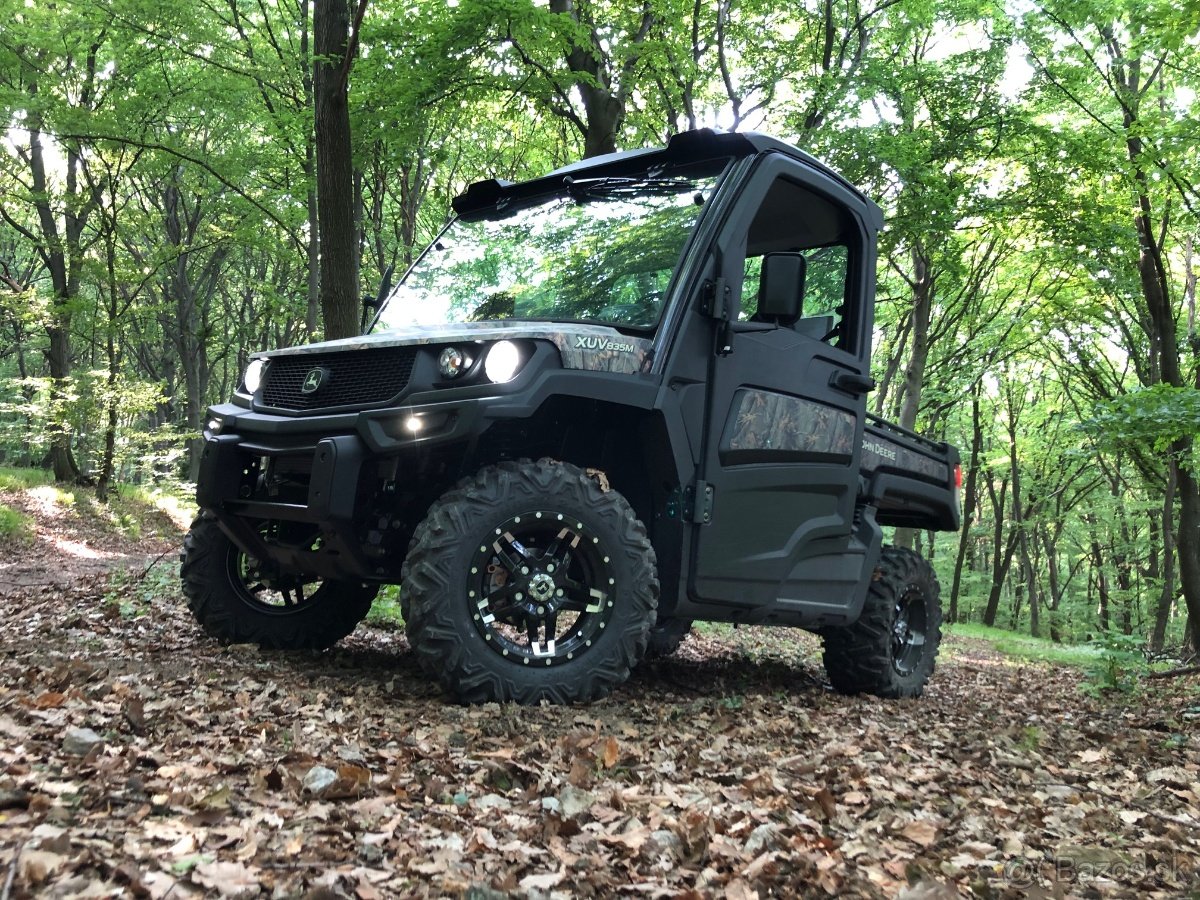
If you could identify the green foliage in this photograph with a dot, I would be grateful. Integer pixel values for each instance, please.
(16, 479)
(135, 593)
(1120, 664)
(15, 526)
(1154, 417)
(1022, 646)
(385, 611)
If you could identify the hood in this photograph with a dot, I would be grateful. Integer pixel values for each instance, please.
(591, 347)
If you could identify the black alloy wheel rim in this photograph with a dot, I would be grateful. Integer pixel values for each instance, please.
(270, 594)
(908, 631)
(542, 591)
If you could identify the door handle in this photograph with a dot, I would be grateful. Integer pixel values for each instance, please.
(852, 383)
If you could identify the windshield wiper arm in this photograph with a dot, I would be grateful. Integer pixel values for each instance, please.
(600, 188)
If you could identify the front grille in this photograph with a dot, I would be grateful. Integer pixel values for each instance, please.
(348, 378)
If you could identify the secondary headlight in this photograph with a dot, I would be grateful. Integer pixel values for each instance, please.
(254, 375)
(453, 362)
(502, 362)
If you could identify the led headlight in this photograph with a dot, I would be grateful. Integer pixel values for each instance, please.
(453, 362)
(254, 375)
(502, 362)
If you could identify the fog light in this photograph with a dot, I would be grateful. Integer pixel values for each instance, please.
(453, 362)
(414, 424)
(215, 425)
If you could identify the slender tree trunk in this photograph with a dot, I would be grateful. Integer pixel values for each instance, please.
(1002, 553)
(1101, 577)
(914, 374)
(1166, 596)
(1050, 547)
(114, 367)
(969, 502)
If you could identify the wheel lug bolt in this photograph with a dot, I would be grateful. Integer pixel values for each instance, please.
(524, 570)
(550, 567)
(519, 596)
(541, 610)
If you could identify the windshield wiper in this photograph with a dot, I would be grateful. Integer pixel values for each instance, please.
(605, 188)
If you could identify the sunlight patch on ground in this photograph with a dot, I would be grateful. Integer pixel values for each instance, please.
(79, 550)
(181, 512)
(50, 501)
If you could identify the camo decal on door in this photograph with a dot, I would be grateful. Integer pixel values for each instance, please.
(763, 420)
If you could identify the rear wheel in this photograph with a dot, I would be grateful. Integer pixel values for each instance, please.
(892, 648)
(238, 602)
(530, 582)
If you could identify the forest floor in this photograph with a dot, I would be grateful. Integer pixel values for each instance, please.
(138, 758)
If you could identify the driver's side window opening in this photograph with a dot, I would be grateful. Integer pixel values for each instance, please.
(794, 219)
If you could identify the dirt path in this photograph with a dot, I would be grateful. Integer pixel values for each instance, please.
(74, 539)
(729, 770)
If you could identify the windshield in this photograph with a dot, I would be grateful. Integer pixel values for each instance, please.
(601, 250)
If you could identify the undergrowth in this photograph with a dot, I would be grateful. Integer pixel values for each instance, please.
(1113, 662)
(385, 611)
(18, 479)
(14, 525)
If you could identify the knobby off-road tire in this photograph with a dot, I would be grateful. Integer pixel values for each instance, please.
(238, 608)
(891, 650)
(666, 636)
(530, 582)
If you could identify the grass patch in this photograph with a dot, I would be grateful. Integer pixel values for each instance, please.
(14, 479)
(178, 506)
(15, 526)
(385, 611)
(136, 593)
(1022, 646)
(53, 496)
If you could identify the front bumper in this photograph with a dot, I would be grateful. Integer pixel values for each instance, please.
(344, 459)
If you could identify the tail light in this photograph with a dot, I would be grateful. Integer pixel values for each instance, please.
(958, 477)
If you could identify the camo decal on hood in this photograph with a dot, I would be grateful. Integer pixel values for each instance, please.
(594, 348)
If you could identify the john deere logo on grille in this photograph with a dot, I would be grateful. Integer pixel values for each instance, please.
(313, 380)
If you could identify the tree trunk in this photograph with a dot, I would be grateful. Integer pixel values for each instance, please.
(969, 503)
(1166, 597)
(1050, 547)
(1164, 351)
(335, 170)
(1002, 555)
(62, 268)
(914, 374)
(1101, 578)
(604, 84)
(313, 308)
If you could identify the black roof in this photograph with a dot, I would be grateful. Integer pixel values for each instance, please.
(685, 147)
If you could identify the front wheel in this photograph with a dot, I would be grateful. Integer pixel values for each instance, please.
(530, 582)
(892, 648)
(238, 603)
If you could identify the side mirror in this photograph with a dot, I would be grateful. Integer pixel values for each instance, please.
(781, 286)
(370, 305)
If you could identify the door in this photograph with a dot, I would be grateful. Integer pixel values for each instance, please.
(786, 408)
